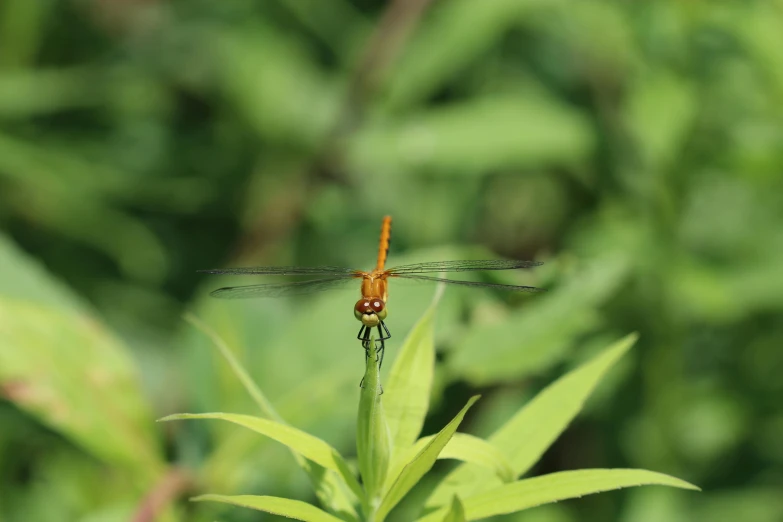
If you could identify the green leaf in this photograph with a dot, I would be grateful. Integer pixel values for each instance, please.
(421, 463)
(23, 278)
(660, 135)
(372, 433)
(39, 92)
(307, 445)
(410, 381)
(475, 137)
(466, 448)
(62, 366)
(525, 494)
(247, 382)
(295, 509)
(457, 34)
(337, 23)
(456, 512)
(50, 174)
(328, 487)
(490, 352)
(525, 437)
(274, 81)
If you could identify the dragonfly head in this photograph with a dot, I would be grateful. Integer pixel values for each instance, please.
(370, 311)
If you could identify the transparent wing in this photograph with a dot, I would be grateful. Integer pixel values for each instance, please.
(513, 288)
(281, 289)
(462, 266)
(282, 270)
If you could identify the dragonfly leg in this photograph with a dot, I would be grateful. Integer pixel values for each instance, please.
(364, 336)
(382, 336)
(388, 335)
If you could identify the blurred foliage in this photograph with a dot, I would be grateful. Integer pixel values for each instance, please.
(634, 147)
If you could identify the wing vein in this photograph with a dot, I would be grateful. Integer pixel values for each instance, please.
(463, 266)
(513, 288)
(283, 270)
(281, 289)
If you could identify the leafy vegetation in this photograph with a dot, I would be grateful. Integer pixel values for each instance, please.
(487, 490)
(634, 148)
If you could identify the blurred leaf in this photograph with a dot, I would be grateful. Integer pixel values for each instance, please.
(23, 278)
(337, 23)
(421, 464)
(410, 380)
(525, 437)
(652, 504)
(247, 382)
(326, 485)
(759, 503)
(525, 494)
(40, 92)
(473, 137)
(757, 27)
(21, 31)
(373, 444)
(458, 33)
(61, 365)
(303, 443)
(288, 508)
(661, 134)
(276, 85)
(457, 511)
(69, 193)
(490, 352)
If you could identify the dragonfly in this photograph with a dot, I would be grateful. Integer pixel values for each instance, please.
(371, 308)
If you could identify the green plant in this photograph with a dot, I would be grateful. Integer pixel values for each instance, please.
(392, 459)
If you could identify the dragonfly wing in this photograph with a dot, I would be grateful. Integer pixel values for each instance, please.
(281, 289)
(462, 266)
(513, 288)
(283, 270)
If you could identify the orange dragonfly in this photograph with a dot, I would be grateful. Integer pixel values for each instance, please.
(370, 310)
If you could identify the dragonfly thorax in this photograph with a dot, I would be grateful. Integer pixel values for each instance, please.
(374, 285)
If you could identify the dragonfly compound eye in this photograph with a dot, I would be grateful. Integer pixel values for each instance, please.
(379, 307)
(370, 311)
(362, 307)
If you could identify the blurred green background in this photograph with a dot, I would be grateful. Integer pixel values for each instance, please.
(635, 148)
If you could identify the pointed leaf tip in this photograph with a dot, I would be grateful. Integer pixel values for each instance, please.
(528, 493)
(422, 463)
(532, 429)
(456, 512)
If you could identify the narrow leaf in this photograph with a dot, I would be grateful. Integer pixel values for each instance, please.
(456, 512)
(372, 432)
(295, 509)
(533, 492)
(525, 437)
(457, 34)
(307, 445)
(410, 381)
(250, 386)
(421, 464)
(284, 96)
(328, 487)
(476, 136)
(466, 448)
(525, 494)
